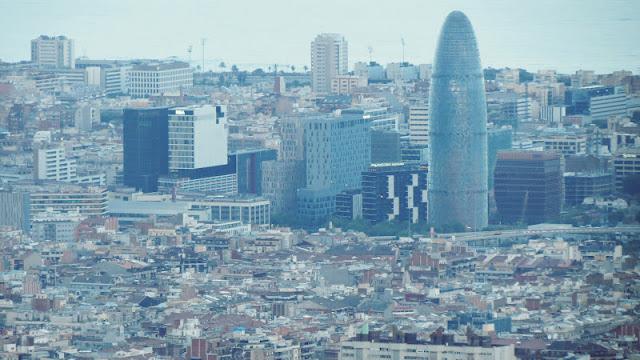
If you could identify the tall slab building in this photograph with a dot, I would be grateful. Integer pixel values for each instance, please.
(329, 58)
(458, 129)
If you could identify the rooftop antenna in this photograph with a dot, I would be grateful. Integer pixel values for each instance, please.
(203, 41)
(402, 43)
(190, 50)
(370, 52)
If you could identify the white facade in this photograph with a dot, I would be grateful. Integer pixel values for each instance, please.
(87, 201)
(347, 84)
(566, 145)
(53, 52)
(166, 79)
(52, 226)
(605, 106)
(115, 80)
(419, 125)
(553, 114)
(226, 184)
(364, 350)
(92, 74)
(253, 211)
(329, 58)
(53, 164)
(198, 137)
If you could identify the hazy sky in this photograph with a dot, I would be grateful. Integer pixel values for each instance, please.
(601, 35)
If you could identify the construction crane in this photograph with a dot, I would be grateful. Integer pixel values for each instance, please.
(203, 41)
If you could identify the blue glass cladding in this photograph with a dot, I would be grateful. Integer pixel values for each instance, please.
(458, 129)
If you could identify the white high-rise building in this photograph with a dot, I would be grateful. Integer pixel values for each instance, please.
(605, 106)
(419, 125)
(197, 137)
(329, 58)
(53, 52)
(53, 164)
(159, 79)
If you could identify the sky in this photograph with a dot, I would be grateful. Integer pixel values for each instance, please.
(567, 35)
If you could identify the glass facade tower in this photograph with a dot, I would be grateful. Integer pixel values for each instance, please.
(458, 131)
(146, 147)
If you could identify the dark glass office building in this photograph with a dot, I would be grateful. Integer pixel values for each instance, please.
(498, 139)
(396, 192)
(146, 147)
(249, 169)
(528, 186)
(578, 186)
(458, 130)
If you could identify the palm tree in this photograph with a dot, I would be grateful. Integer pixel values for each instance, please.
(222, 65)
(306, 68)
(293, 68)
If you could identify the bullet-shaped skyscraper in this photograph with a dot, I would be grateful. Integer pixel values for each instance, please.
(458, 130)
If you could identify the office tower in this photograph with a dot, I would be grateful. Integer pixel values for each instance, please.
(52, 164)
(249, 169)
(158, 79)
(458, 129)
(419, 125)
(198, 137)
(606, 106)
(146, 147)
(385, 146)
(60, 197)
(528, 186)
(578, 186)
(601, 102)
(498, 138)
(329, 58)
(113, 77)
(198, 152)
(379, 117)
(282, 178)
(53, 52)
(247, 210)
(337, 149)
(349, 205)
(626, 163)
(394, 192)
